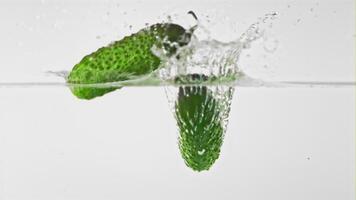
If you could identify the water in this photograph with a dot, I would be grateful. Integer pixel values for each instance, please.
(54, 144)
(282, 138)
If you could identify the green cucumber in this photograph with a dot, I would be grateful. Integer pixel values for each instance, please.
(201, 130)
(126, 59)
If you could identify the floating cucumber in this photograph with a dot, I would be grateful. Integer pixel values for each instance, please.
(126, 58)
(201, 129)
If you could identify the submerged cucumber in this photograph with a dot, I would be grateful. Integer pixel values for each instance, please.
(200, 125)
(126, 58)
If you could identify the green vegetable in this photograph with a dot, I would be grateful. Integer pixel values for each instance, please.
(201, 130)
(126, 59)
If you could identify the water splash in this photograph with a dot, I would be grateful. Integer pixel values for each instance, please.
(209, 57)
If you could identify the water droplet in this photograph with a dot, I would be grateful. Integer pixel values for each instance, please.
(297, 22)
(270, 45)
(246, 45)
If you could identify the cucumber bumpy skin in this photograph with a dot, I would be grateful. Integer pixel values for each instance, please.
(126, 59)
(200, 127)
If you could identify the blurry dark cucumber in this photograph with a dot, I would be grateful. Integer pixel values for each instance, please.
(200, 125)
(126, 58)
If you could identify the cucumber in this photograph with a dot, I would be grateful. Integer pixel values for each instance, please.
(126, 59)
(201, 130)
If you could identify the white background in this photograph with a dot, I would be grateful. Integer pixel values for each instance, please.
(281, 143)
